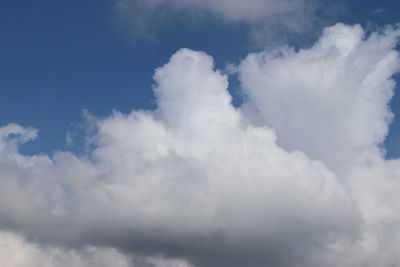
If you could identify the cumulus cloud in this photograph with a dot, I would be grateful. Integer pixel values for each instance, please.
(334, 96)
(142, 17)
(15, 251)
(294, 177)
(331, 102)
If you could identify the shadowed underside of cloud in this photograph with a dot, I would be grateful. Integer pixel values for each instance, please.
(294, 177)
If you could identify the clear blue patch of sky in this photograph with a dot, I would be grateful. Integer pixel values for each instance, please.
(58, 58)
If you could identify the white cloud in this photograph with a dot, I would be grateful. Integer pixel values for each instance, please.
(201, 182)
(331, 100)
(15, 251)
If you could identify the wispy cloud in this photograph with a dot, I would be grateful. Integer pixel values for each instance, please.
(142, 18)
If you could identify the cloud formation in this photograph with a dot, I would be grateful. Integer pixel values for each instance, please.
(142, 17)
(294, 177)
(337, 90)
(17, 252)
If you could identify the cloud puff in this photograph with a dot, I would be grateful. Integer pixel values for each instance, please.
(204, 183)
(334, 96)
(16, 252)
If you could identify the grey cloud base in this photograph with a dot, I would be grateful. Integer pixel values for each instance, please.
(295, 177)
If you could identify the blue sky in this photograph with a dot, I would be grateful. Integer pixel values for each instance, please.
(59, 58)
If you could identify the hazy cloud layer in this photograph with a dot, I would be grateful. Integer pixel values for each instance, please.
(295, 177)
(267, 17)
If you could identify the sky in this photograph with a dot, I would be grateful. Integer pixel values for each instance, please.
(180, 133)
(73, 56)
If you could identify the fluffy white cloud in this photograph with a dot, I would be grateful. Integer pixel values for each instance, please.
(331, 100)
(15, 251)
(204, 183)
